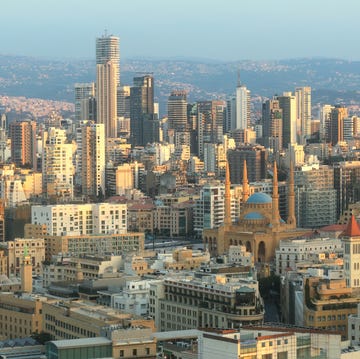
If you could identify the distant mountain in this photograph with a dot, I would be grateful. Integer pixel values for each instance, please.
(332, 80)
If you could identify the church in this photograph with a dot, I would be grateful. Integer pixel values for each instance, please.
(259, 227)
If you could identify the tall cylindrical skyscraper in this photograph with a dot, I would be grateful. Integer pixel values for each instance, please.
(107, 49)
(107, 82)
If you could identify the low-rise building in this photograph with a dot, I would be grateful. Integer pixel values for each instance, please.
(20, 316)
(80, 319)
(328, 303)
(116, 244)
(293, 251)
(205, 300)
(67, 268)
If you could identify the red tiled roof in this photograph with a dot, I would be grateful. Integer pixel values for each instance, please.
(333, 228)
(352, 229)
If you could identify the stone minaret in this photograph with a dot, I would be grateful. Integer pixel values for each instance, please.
(291, 197)
(245, 184)
(275, 198)
(227, 219)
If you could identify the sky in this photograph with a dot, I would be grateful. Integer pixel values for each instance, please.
(227, 30)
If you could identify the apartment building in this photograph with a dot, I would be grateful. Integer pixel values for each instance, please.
(81, 219)
(187, 302)
(293, 251)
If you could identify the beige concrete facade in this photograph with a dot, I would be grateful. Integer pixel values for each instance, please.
(19, 316)
(79, 319)
(14, 250)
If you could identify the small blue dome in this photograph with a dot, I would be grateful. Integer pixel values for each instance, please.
(253, 215)
(259, 198)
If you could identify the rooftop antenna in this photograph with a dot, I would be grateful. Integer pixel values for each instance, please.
(105, 32)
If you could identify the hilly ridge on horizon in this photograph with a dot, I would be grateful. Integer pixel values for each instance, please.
(333, 81)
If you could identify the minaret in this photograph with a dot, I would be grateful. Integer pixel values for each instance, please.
(291, 197)
(245, 185)
(26, 272)
(227, 219)
(275, 198)
(79, 275)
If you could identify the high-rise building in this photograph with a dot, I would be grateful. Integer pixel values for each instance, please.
(23, 143)
(337, 117)
(84, 96)
(347, 184)
(177, 111)
(141, 108)
(210, 120)
(3, 138)
(325, 122)
(106, 99)
(303, 113)
(93, 159)
(123, 101)
(287, 103)
(107, 49)
(107, 82)
(242, 98)
(315, 196)
(256, 159)
(272, 117)
(238, 109)
(57, 164)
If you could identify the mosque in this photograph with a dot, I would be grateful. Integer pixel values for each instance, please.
(259, 227)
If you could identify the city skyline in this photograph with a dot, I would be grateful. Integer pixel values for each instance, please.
(234, 31)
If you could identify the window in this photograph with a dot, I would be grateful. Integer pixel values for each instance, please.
(121, 353)
(134, 351)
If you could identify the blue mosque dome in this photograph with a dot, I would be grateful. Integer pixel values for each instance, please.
(259, 198)
(253, 215)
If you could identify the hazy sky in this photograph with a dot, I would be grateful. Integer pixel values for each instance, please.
(215, 29)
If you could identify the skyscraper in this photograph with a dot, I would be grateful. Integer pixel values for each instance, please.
(141, 108)
(242, 119)
(287, 103)
(107, 82)
(23, 143)
(337, 117)
(325, 122)
(84, 92)
(57, 165)
(93, 159)
(238, 112)
(177, 111)
(272, 117)
(303, 113)
(107, 49)
(107, 98)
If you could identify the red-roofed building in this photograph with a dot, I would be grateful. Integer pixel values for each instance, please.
(351, 243)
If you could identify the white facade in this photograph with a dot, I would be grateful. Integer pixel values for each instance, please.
(57, 164)
(239, 255)
(292, 251)
(134, 298)
(303, 108)
(81, 219)
(209, 209)
(352, 261)
(242, 108)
